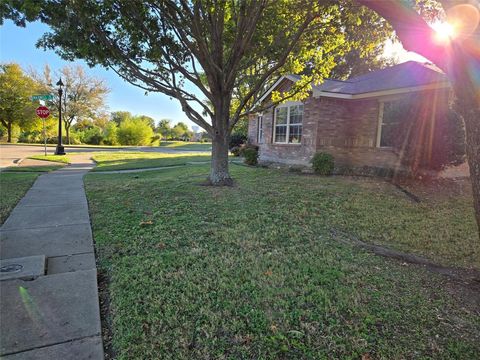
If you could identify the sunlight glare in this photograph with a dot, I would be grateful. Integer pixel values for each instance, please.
(444, 31)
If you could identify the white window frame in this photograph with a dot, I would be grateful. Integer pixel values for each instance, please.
(381, 112)
(260, 131)
(288, 105)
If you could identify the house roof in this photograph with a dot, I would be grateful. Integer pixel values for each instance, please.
(410, 74)
(401, 78)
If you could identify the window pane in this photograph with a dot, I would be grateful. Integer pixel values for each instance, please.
(296, 114)
(393, 112)
(281, 115)
(280, 133)
(295, 135)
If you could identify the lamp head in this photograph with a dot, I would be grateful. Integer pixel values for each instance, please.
(60, 83)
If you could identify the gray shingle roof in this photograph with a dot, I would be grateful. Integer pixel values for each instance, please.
(405, 75)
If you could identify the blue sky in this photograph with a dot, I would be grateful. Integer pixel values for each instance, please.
(18, 45)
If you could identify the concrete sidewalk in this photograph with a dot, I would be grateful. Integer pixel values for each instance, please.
(49, 299)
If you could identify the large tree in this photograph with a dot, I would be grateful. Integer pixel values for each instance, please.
(83, 95)
(198, 52)
(458, 57)
(16, 105)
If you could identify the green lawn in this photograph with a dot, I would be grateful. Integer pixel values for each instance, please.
(55, 158)
(253, 272)
(12, 189)
(183, 145)
(140, 160)
(33, 168)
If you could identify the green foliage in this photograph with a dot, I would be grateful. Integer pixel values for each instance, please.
(251, 156)
(236, 150)
(134, 132)
(110, 134)
(323, 163)
(236, 140)
(16, 106)
(119, 116)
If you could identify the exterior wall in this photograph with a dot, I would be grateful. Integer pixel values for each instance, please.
(347, 129)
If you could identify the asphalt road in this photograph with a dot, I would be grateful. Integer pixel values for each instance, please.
(11, 153)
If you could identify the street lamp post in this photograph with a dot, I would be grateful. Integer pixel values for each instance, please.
(60, 150)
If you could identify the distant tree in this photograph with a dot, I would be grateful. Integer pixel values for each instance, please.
(16, 89)
(83, 95)
(135, 131)
(119, 116)
(148, 119)
(180, 131)
(110, 136)
(164, 128)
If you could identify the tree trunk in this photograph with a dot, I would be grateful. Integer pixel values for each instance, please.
(219, 174)
(9, 132)
(67, 134)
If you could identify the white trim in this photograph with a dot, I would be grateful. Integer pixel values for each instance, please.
(287, 105)
(380, 123)
(260, 129)
(439, 85)
(271, 88)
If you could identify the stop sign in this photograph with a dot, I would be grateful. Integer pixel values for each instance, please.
(43, 112)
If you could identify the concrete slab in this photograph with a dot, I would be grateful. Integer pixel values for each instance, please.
(84, 349)
(22, 268)
(49, 310)
(63, 264)
(36, 197)
(51, 241)
(26, 217)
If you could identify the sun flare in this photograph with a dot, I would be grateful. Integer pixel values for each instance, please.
(443, 31)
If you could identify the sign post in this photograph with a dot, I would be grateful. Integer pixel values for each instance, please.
(42, 97)
(43, 112)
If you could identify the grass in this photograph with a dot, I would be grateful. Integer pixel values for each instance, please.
(68, 146)
(54, 158)
(183, 145)
(39, 168)
(253, 272)
(141, 160)
(13, 187)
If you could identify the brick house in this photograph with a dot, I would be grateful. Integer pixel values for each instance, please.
(357, 120)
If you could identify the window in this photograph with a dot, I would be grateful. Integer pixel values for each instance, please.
(260, 129)
(391, 112)
(288, 124)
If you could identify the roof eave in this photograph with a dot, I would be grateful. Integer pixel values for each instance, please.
(439, 85)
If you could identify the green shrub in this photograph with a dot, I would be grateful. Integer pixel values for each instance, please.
(236, 140)
(251, 156)
(323, 163)
(134, 132)
(236, 150)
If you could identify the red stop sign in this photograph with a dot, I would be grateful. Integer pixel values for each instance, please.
(43, 112)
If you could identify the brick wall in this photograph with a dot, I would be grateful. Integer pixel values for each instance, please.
(347, 129)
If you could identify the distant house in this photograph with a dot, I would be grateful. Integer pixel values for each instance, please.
(388, 118)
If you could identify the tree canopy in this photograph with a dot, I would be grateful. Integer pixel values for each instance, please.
(16, 105)
(214, 57)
